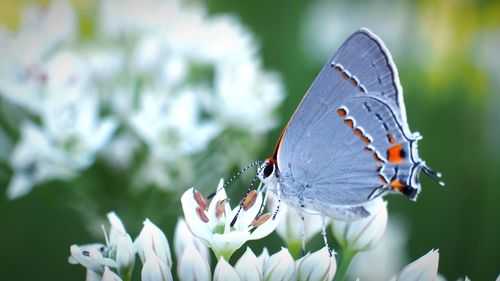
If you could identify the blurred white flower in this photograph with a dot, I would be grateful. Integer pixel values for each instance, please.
(183, 237)
(23, 74)
(365, 233)
(279, 266)
(91, 257)
(110, 275)
(387, 257)
(117, 253)
(154, 269)
(152, 241)
(192, 265)
(122, 245)
(316, 266)
(290, 228)
(425, 268)
(212, 223)
(162, 73)
(249, 267)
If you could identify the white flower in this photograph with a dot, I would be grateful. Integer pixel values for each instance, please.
(110, 275)
(425, 268)
(155, 269)
(117, 253)
(91, 257)
(249, 267)
(290, 228)
(279, 266)
(23, 74)
(192, 265)
(316, 266)
(183, 238)
(388, 256)
(152, 241)
(212, 224)
(365, 233)
(225, 272)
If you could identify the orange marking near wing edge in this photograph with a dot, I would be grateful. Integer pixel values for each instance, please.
(395, 154)
(349, 122)
(341, 112)
(399, 186)
(358, 132)
(384, 181)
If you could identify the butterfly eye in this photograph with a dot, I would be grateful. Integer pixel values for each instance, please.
(268, 170)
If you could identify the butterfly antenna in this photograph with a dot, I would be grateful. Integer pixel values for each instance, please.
(245, 197)
(226, 184)
(433, 175)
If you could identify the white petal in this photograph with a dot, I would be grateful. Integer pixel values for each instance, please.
(317, 266)
(228, 242)
(117, 227)
(225, 272)
(248, 267)
(184, 237)
(365, 233)
(153, 240)
(110, 275)
(192, 265)
(92, 276)
(92, 259)
(19, 185)
(279, 266)
(199, 228)
(154, 269)
(125, 252)
(424, 268)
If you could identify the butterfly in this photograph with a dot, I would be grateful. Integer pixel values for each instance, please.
(348, 141)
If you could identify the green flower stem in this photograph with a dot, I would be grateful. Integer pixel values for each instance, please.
(345, 261)
(226, 254)
(295, 248)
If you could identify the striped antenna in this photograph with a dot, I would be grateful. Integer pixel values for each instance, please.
(226, 184)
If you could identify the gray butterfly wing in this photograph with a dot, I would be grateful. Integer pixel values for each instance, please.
(357, 151)
(364, 58)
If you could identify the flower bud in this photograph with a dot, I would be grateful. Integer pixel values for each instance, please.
(184, 237)
(248, 267)
(365, 233)
(279, 266)
(151, 240)
(192, 265)
(317, 266)
(155, 269)
(225, 272)
(425, 268)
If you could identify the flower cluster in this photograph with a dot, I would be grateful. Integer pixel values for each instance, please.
(224, 230)
(160, 79)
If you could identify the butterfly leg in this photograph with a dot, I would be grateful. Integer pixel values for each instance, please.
(278, 193)
(303, 233)
(323, 232)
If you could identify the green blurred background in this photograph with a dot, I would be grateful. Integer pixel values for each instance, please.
(449, 64)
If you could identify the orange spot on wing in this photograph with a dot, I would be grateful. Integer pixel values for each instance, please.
(396, 154)
(399, 186)
(365, 139)
(358, 132)
(349, 122)
(341, 112)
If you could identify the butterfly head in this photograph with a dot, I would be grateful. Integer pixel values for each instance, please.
(267, 172)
